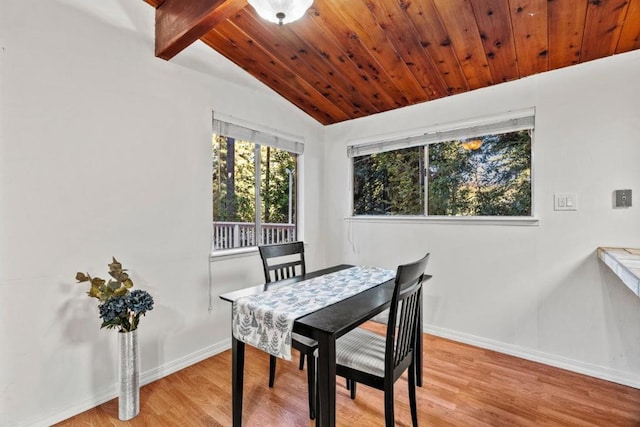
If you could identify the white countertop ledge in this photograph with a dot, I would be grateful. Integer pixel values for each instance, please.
(625, 263)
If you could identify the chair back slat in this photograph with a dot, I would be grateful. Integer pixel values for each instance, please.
(276, 262)
(406, 328)
(404, 314)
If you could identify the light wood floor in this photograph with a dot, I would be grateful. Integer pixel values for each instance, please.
(463, 386)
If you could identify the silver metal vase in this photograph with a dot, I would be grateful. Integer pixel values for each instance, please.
(129, 375)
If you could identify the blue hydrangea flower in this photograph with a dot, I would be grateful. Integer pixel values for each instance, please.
(113, 308)
(139, 301)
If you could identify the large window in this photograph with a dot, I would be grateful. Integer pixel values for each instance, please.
(478, 171)
(254, 187)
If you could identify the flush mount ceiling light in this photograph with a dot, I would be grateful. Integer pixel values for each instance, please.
(281, 11)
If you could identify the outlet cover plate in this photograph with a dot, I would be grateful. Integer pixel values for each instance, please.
(622, 199)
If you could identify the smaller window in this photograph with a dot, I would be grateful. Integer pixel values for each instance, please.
(254, 188)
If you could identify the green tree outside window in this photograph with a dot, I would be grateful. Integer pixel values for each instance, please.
(485, 176)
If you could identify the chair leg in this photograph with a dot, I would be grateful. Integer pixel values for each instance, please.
(311, 378)
(272, 370)
(351, 385)
(412, 395)
(302, 356)
(388, 407)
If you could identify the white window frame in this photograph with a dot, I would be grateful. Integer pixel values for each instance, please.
(507, 122)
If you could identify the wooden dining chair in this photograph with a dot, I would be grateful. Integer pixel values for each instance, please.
(383, 318)
(284, 261)
(378, 361)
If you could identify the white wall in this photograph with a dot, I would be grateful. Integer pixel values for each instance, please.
(105, 150)
(535, 291)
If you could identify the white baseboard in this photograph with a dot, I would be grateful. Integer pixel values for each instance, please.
(600, 372)
(188, 360)
(145, 378)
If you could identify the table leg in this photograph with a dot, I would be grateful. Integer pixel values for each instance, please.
(326, 413)
(237, 356)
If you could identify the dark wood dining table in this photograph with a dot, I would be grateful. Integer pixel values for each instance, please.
(325, 326)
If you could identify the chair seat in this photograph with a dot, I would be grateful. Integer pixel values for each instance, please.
(309, 342)
(362, 350)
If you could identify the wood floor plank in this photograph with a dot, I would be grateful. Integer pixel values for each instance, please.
(463, 386)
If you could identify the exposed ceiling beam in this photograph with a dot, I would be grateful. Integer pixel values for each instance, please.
(154, 3)
(181, 22)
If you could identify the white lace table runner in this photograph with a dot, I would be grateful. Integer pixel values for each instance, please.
(265, 320)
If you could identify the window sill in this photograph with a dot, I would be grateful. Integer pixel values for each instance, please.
(225, 254)
(232, 253)
(457, 220)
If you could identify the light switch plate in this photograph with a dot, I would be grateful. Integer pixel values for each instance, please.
(622, 199)
(565, 202)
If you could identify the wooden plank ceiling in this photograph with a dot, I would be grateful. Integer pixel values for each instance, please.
(351, 58)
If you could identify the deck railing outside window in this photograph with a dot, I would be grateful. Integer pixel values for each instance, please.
(230, 235)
